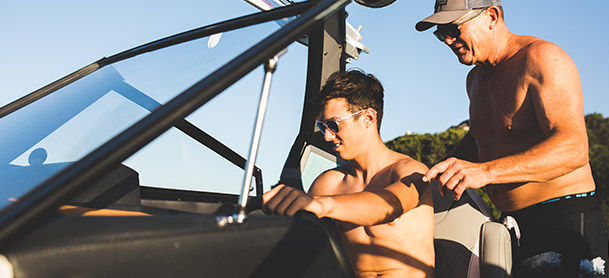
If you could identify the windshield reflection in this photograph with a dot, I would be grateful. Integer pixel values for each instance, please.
(46, 136)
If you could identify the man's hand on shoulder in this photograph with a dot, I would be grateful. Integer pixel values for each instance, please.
(457, 175)
(286, 200)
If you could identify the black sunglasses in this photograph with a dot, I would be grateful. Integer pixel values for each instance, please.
(452, 30)
(332, 124)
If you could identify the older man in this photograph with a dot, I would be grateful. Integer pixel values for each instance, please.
(531, 145)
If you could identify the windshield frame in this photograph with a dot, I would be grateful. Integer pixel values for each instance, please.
(224, 26)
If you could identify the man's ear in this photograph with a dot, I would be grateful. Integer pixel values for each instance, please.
(369, 117)
(494, 14)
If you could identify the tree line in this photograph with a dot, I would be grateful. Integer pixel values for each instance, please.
(431, 148)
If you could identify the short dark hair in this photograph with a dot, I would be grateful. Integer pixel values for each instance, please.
(359, 89)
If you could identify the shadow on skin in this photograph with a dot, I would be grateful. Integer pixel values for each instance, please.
(390, 198)
(398, 256)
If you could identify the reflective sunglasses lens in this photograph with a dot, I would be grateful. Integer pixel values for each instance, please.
(332, 126)
(439, 35)
(444, 31)
(321, 126)
(453, 31)
(329, 124)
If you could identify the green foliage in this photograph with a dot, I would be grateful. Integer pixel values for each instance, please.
(431, 148)
(427, 148)
(598, 138)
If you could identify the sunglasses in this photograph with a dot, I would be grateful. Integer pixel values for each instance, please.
(452, 30)
(332, 124)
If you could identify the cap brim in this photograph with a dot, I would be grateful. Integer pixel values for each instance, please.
(439, 18)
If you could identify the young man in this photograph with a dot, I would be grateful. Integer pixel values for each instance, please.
(529, 137)
(383, 211)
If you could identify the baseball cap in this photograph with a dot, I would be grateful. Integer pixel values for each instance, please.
(447, 11)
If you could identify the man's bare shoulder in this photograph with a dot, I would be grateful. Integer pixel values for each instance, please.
(407, 166)
(538, 53)
(328, 182)
(409, 172)
(549, 69)
(530, 43)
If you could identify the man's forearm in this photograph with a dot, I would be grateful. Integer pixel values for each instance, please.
(554, 157)
(364, 208)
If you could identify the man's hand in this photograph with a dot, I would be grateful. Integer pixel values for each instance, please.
(457, 175)
(286, 200)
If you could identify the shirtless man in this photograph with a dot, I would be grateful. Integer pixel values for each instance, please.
(383, 211)
(526, 116)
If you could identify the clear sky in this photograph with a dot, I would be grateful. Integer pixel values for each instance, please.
(425, 85)
(43, 41)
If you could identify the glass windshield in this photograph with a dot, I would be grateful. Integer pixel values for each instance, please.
(44, 137)
(177, 161)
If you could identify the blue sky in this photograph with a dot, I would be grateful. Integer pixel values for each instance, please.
(425, 85)
(43, 41)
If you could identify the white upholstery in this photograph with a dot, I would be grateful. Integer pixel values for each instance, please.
(467, 242)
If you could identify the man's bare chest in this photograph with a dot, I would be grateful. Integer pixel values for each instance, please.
(501, 106)
(361, 234)
(352, 184)
(503, 119)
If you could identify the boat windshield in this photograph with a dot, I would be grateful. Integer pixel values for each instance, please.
(49, 134)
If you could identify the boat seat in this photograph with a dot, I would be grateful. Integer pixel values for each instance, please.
(468, 242)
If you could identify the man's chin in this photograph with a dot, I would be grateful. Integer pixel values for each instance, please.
(343, 157)
(464, 60)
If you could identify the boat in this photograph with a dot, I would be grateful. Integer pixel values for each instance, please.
(122, 169)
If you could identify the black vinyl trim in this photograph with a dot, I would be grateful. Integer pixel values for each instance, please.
(155, 193)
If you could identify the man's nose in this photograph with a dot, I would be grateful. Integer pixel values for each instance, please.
(328, 135)
(449, 40)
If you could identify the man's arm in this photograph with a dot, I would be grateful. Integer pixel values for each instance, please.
(555, 90)
(366, 208)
